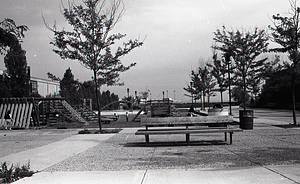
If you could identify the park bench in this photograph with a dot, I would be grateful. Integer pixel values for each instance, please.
(106, 120)
(187, 126)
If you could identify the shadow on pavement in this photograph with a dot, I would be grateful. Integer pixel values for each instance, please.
(174, 144)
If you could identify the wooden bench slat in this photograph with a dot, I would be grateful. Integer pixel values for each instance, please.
(158, 132)
(186, 120)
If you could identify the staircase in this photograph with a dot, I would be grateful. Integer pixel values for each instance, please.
(86, 113)
(73, 114)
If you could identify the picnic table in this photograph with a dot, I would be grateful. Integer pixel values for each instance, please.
(187, 126)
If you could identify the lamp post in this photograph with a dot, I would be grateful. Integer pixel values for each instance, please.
(174, 95)
(191, 83)
(228, 62)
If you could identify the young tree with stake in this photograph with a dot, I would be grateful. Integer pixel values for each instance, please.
(244, 47)
(90, 41)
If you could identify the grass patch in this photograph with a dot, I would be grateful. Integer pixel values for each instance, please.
(104, 131)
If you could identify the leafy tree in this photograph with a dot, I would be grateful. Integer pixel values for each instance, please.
(4, 90)
(107, 98)
(16, 72)
(202, 83)
(10, 34)
(194, 91)
(208, 82)
(15, 81)
(144, 94)
(53, 77)
(90, 41)
(286, 32)
(219, 71)
(238, 94)
(69, 88)
(277, 89)
(87, 91)
(244, 47)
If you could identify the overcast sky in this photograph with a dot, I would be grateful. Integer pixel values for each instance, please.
(179, 34)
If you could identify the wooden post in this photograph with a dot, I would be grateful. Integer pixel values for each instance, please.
(187, 136)
(147, 139)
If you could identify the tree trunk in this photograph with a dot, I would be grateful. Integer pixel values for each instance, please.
(203, 104)
(221, 93)
(294, 99)
(208, 100)
(98, 101)
(244, 96)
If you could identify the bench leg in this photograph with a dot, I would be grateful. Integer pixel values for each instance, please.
(230, 134)
(187, 138)
(225, 136)
(147, 139)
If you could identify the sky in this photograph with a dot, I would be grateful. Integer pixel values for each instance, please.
(178, 37)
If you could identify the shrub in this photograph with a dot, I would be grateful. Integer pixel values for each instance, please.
(11, 174)
(105, 131)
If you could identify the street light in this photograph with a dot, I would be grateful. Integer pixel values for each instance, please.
(228, 62)
(191, 83)
(174, 95)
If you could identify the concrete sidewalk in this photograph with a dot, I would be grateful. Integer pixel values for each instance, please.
(253, 175)
(45, 156)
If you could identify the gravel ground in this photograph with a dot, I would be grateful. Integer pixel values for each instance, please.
(125, 151)
(267, 145)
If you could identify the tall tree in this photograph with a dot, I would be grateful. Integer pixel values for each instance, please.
(16, 74)
(69, 88)
(286, 32)
(202, 83)
(245, 47)
(10, 34)
(15, 81)
(195, 91)
(90, 41)
(219, 71)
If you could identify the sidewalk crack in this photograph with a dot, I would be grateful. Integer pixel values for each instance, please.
(144, 176)
(277, 172)
(147, 168)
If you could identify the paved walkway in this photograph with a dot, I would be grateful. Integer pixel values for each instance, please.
(45, 156)
(254, 175)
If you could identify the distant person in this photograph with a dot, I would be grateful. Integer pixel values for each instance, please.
(191, 109)
(7, 120)
(126, 116)
(191, 112)
(116, 116)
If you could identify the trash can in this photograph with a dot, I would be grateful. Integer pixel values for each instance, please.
(246, 119)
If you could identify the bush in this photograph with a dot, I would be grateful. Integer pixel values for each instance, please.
(11, 174)
(85, 131)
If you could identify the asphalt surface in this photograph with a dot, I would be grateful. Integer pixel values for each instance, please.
(266, 154)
